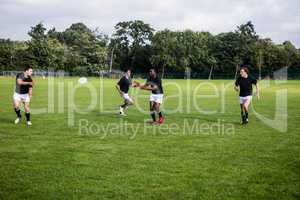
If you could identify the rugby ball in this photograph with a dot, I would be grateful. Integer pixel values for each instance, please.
(82, 80)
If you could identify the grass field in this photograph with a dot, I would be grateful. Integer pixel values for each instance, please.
(87, 159)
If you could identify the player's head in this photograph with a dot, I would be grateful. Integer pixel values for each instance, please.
(28, 71)
(152, 72)
(244, 72)
(128, 72)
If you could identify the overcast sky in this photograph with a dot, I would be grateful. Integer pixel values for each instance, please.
(275, 19)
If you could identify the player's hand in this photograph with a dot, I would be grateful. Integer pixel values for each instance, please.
(154, 87)
(136, 84)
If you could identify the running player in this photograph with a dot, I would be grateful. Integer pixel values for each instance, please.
(243, 84)
(154, 84)
(123, 87)
(23, 94)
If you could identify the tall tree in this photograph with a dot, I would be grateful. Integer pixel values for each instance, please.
(129, 42)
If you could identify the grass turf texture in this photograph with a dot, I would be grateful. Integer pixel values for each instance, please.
(53, 161)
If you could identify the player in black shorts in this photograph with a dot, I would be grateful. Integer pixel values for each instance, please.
(243, 85)
(123, 87)
(23, 94)
(154, 84)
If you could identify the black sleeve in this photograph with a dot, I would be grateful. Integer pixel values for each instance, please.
(120, 81)
(254, 81)
(19, 76)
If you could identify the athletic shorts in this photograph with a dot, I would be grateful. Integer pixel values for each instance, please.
(244, 99)
(21, 97)
(158, 98)
(126, 97)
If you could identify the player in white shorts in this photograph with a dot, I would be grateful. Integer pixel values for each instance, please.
(123, 87)
(243, 84)
(23, 94)
(154, 84)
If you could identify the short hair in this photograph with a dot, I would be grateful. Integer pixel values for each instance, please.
(127, 69)
(27, 68)
(154, 69)
(245, 69)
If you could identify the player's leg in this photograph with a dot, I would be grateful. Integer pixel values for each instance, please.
(246, 108)
(16, 105)
(122, 108)
(158, 111)
(152, 110)
(127, 102)
(27, 112)
(17, 111)
(158, 101)
(242, 113)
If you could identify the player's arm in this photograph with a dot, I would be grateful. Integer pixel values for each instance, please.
(118, 89)
(21, 82)
(135, 84)
(30, 92)
(146, 86)
(236, 86)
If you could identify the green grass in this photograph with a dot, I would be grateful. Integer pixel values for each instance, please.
(52, 160)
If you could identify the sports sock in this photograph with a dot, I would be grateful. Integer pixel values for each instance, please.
(246, 115)
(124, 105)
(18, 112)
(27, 116)
(160, 114)
(152, 113)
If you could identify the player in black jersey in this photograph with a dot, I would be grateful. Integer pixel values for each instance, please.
(154, 84)
(123, 87)
(23, 94)
(243, 85)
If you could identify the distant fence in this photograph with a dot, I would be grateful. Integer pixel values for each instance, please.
(115, 74)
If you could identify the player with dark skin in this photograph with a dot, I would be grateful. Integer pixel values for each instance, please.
(154, 84)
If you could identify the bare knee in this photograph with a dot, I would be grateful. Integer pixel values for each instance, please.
(156, 107)
(26, 107)
(16, 105)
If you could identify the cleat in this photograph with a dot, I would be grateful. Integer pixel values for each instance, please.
(243, 120)
(18, 120)
(161, 120)
(28, 123)
(122, 114)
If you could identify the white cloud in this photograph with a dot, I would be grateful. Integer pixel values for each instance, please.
(277, 19)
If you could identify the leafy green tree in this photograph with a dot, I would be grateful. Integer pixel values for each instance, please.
(129, 42)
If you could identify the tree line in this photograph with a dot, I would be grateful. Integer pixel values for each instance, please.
(135, 44)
